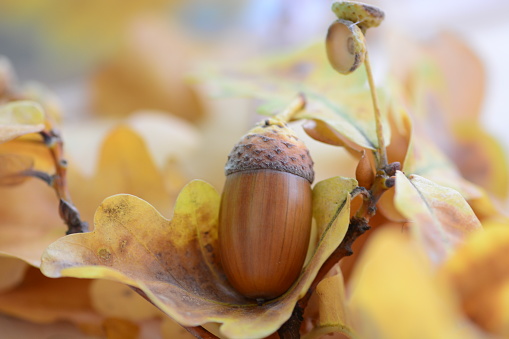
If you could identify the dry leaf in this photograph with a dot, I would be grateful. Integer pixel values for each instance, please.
(175, 262)
(333, 314)
(394, 293)
(115, 300)
(440, 217)
(20, 117)
(12, 271)
(479, 274)
(29, 220)
(124, 166)
(13, 328)
(43, 300)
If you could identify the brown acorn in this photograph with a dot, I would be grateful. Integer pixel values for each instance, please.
(266, 211)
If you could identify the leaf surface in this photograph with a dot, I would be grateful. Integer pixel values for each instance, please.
(479, 273)
(394, 292)
(176, 263)
(440, 216)
(20, 117)
(341, 102)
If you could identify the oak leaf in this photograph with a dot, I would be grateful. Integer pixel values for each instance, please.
(19, 118)
(341, 103)
(176, 264)
(440, 216)
(394, 291)
(479, 274)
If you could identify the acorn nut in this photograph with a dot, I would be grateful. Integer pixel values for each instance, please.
(266, 211)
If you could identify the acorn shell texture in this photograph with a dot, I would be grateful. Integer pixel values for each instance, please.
(266, 211)
(271, 145)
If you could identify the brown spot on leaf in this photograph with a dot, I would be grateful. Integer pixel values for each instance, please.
(104, 254)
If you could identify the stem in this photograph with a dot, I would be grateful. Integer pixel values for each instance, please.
(381, 151)
(293, 108)
(356, 228)
(68, 212)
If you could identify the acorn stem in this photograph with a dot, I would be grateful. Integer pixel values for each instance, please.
(381, 151)
(295, 106)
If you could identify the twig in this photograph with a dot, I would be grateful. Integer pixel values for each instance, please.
(356, 228)
(68, 212)
(381, 151)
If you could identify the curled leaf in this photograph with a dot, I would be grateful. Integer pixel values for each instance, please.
(20, 117)
(440, 216)
(176, 263)
(332, 308)
(364, 172)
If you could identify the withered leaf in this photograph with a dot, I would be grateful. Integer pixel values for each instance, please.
(440, 216)
(176, 262)
(394, 292)
(479, 273)
(20, 117)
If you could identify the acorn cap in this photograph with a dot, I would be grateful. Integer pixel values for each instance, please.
(271, 144)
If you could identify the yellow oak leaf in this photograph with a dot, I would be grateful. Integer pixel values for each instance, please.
(124, 166)
(18, 118)
(175, 262)
(29, 220)
(332, 310)
(42, 300)
(480, 158)
(440, 217)
(479, 274)
(115, 300)
(17, 328)
(12, 271)
(395, 293)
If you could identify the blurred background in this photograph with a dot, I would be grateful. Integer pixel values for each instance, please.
(88, 52)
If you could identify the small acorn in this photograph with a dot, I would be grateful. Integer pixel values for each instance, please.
(266, 211)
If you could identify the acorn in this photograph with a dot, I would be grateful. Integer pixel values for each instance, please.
(266, 211)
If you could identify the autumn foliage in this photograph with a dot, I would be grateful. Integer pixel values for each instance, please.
(141, 204)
